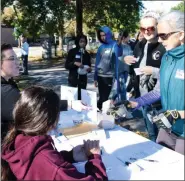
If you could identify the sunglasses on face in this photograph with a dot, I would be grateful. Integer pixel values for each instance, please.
(149, 29)
(165, 36)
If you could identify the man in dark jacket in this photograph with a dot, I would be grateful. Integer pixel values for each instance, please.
(79, 64)
(147, 57)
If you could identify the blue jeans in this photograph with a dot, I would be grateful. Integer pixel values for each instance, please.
(151, 128)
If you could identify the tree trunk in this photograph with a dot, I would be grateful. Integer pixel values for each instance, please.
(79, 17)
(19, 42)
(61, 33)
(60, 41)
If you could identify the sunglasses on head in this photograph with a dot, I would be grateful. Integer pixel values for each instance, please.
(165, 36)
(149, 29)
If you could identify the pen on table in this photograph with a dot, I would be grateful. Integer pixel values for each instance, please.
(102, 149)
(149, 160)
(124, 162)
(127, 163)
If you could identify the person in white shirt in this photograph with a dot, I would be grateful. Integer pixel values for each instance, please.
(24, 54)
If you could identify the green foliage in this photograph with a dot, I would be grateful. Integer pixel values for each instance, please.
(115, 14)
(179, 7)
(5, 3)
(33, 17)
(8, 16)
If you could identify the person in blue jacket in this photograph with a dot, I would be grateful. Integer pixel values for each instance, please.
(170, 84)
(106, 66)
(123, 69)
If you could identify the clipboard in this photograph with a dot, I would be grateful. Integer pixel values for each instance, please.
(78, 130)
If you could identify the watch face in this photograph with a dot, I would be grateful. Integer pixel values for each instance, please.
(174, 114)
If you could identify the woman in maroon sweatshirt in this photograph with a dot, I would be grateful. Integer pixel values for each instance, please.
(28, 153)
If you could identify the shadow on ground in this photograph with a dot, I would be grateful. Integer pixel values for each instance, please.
(53, 74)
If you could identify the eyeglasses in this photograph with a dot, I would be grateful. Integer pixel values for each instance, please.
(149, 29)
(165, 36)
(11, 58)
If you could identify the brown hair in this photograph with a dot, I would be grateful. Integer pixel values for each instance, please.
(5, 47)
(35, 113)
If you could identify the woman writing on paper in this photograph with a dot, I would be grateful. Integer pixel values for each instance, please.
(28, 153)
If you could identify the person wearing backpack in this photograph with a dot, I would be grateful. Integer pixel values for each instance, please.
(106, 66)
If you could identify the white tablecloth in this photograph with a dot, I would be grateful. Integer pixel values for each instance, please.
(119, 145)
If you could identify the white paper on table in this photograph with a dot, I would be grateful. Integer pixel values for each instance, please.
(69, 93)
(98, 134)
(106, 106)
(161, 172)
(59, 139)
(138, 71)
(94, 135)
(64, 146)
(89, 98)
(61, 143)
(66, 119)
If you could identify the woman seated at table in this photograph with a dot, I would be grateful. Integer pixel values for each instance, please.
(28, 153)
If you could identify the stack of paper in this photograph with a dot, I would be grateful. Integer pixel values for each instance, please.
(89, 98)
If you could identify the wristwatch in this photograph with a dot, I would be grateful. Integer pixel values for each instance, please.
(175, 114)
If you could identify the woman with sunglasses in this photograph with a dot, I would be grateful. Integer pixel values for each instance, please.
(170, 84)
(147, 57)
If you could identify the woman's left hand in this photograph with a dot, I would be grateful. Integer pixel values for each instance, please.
(79, 154)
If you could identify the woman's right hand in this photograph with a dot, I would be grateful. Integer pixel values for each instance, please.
(92, 147)
(130, 60)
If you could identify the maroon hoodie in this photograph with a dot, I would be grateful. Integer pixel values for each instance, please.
(35, 158)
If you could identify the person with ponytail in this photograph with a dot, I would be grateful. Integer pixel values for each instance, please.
(28, 152)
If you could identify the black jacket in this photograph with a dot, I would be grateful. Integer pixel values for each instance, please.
(73, 56)
(154, 56)
(9, 96)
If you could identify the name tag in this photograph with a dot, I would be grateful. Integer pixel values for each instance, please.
(179, 74)
(107, 51)
(77, 56)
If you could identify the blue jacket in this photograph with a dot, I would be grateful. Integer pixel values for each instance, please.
(111, 45)
(123, 67)
(172, 84)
